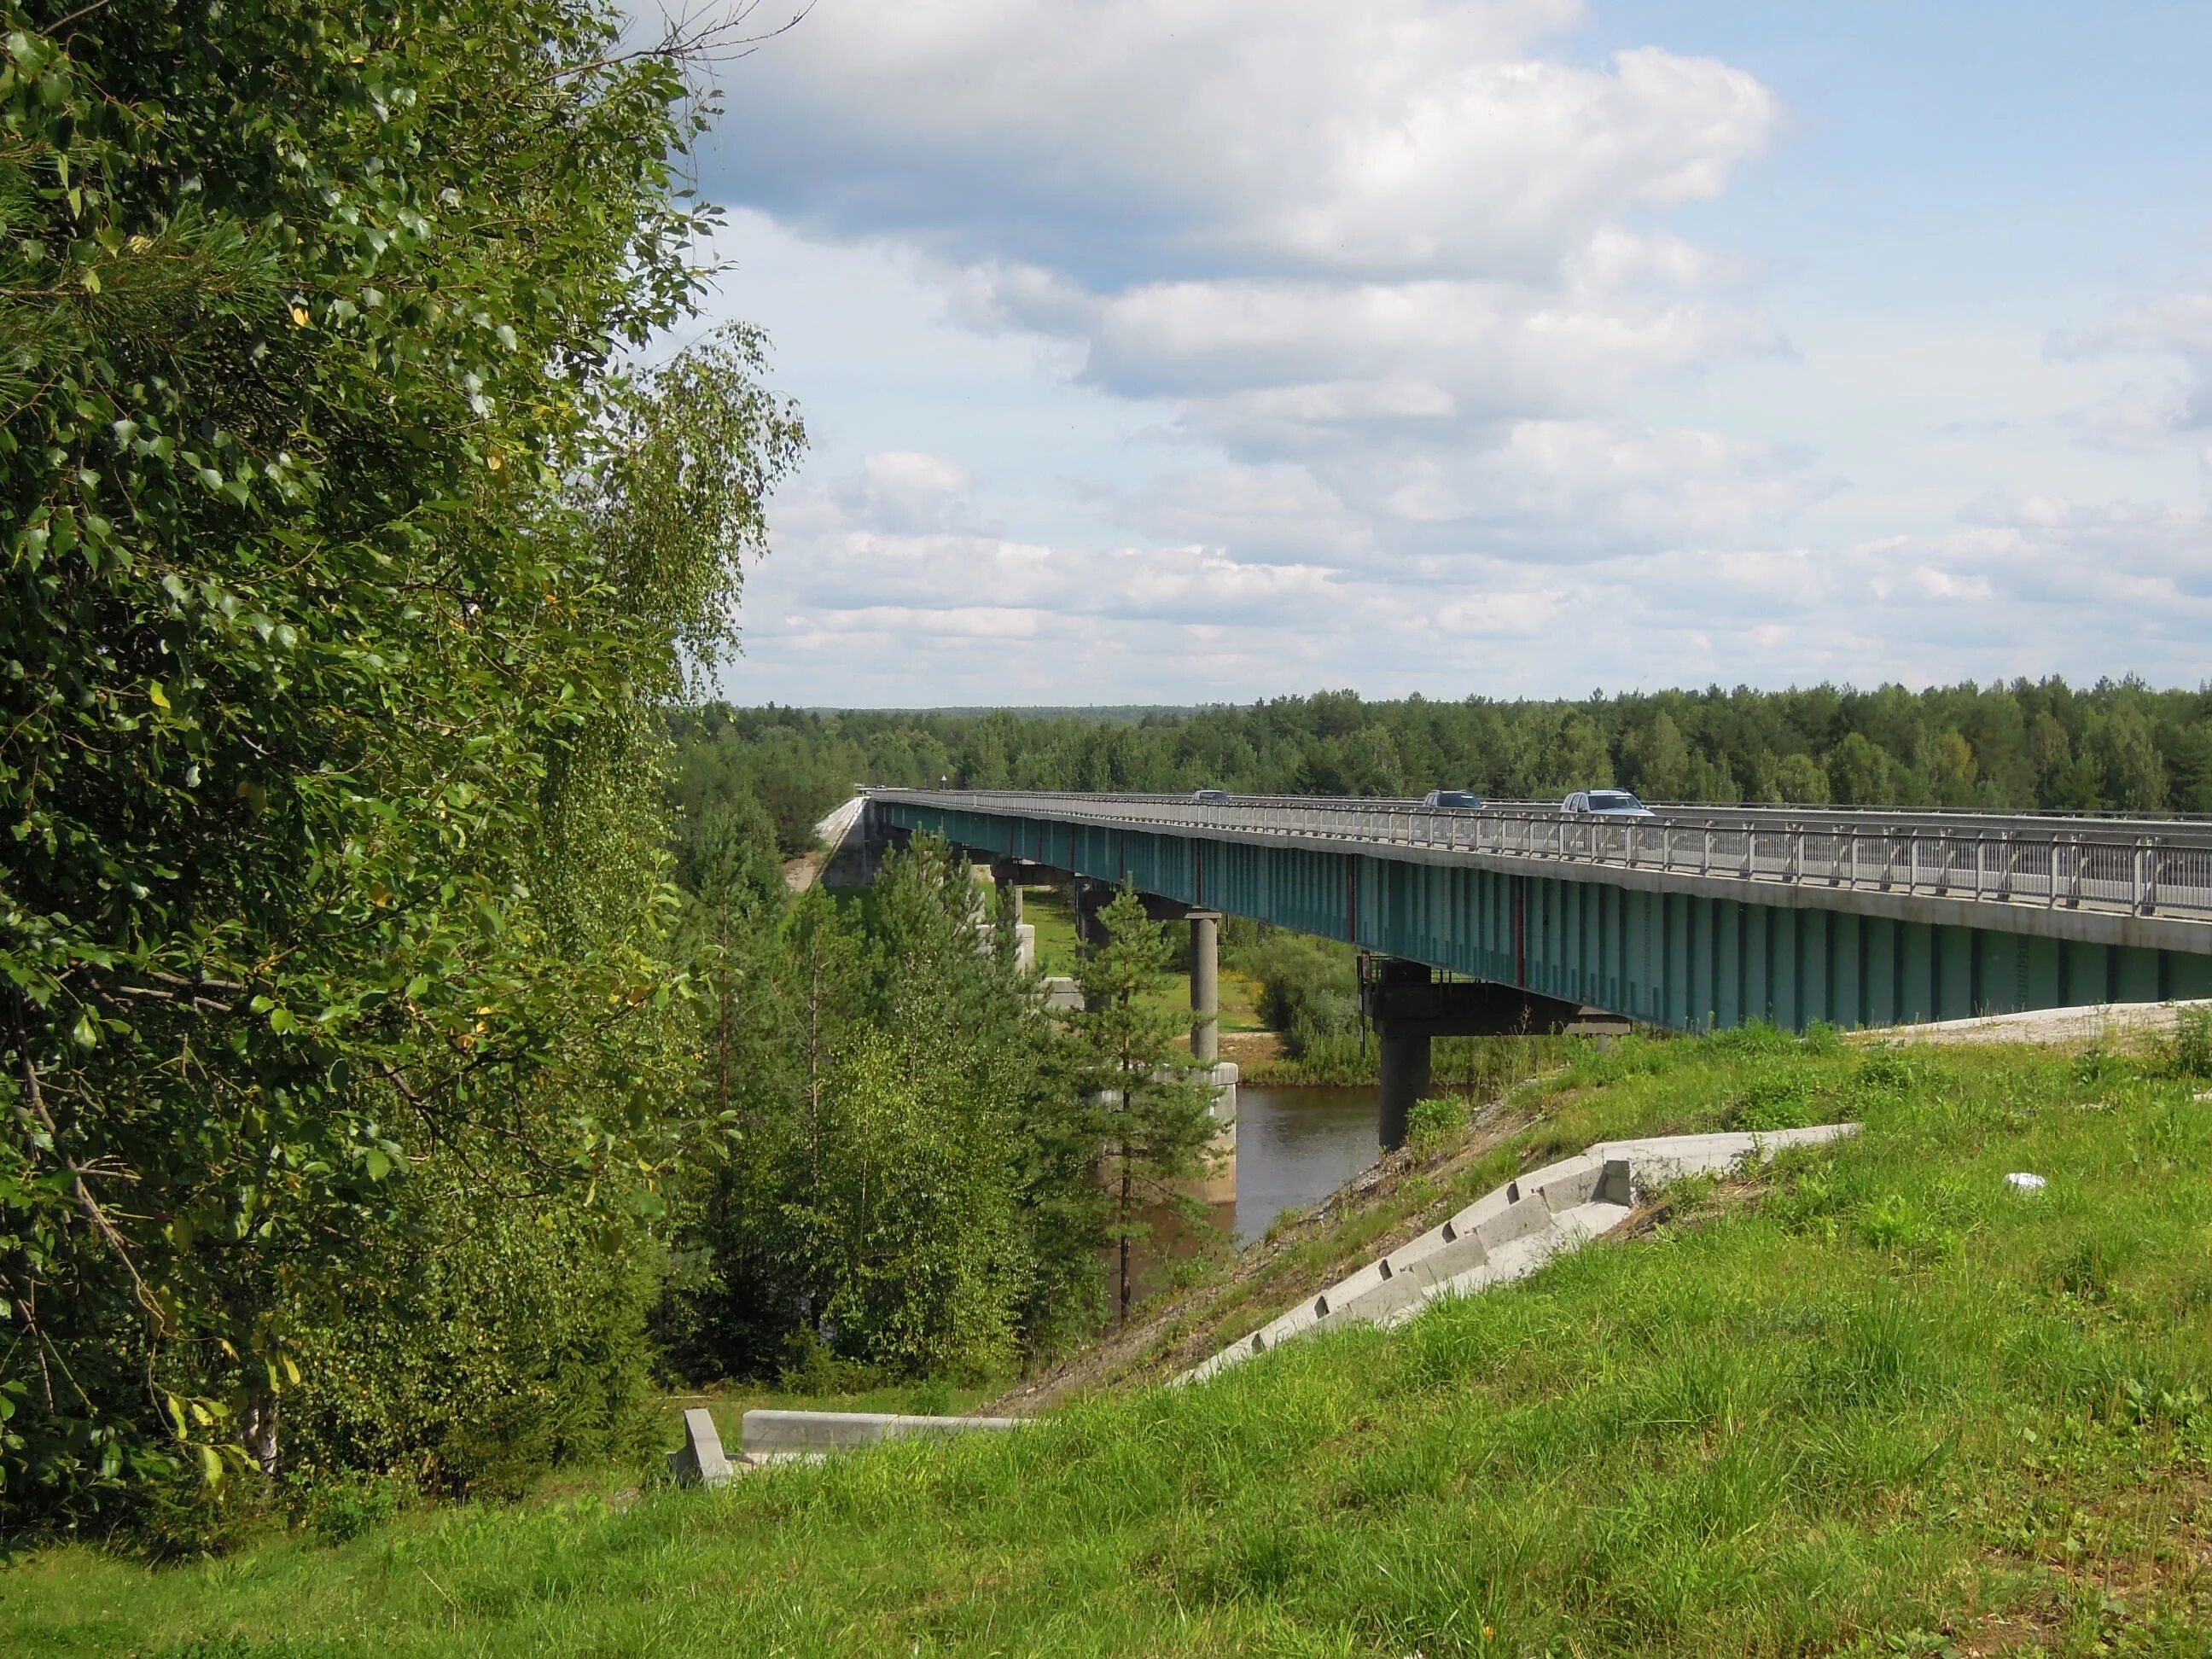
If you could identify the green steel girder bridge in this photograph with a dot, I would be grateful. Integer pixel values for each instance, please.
(1697, 918)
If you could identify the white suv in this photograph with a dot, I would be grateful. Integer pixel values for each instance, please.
(1605, 804)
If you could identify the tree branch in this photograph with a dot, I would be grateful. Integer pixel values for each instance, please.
(87, 1202)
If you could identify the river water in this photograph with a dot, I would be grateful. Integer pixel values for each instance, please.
(1294, 1147)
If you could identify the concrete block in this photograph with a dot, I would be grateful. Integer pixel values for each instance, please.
(1592, 1220)
(1410, 1286)
(1616, 1183)
(1351, 1288)
(1533, 1180)
(1495, 1202)
(1515, 1258)
(1062, 995)
(1284, 1326)
(1517, 1220)
(769, 1431)
(1562, 1185)
(1415, 1250)
(699, 1461)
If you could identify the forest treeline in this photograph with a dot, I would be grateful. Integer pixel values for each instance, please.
(2118, 745)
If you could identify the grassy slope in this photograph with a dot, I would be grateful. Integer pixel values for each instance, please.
(1890, 1406)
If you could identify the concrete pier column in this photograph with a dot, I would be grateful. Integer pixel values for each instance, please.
(1206, 985)
(1405, 1080)
(1405, 1052)
(1090, 898)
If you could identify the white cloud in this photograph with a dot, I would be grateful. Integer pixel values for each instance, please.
(1395, 138)
(2175, 329)
(1379, 254)
(1312, 353)
(1417, 379)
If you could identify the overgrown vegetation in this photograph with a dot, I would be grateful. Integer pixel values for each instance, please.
(2030, 744)
(1876, 1403)
(349, 565)
(899, 1180)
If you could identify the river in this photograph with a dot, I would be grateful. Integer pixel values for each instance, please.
(1294, 1147)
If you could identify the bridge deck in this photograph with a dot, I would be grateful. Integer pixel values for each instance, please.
(2100, 864)
(1696, 917)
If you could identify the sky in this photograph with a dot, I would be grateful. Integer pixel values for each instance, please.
(1172, 351)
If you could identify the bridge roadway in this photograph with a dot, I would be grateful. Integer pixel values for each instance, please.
(1700, 917)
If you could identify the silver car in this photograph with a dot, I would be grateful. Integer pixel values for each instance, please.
(1605, 804)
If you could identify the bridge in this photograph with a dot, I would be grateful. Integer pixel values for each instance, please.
(1696, 918)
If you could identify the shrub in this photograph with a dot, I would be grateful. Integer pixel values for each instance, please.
(1781, 1100)
(339, 1508)
(931, 1399)
(479, 1342)
(2192, 1043)
(812, 1366)
(1757, 1038)
(1435, 1124)
(1892, 1071)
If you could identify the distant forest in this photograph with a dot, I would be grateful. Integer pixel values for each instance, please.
(2118, 745)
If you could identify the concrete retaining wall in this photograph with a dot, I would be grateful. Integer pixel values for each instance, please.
(769, 1433)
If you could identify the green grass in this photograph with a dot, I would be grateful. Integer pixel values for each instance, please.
(1889, 1407)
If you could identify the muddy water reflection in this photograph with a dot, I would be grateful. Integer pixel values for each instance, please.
(1294, 1147)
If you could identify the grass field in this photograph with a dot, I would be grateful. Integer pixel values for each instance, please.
(1878, 1404)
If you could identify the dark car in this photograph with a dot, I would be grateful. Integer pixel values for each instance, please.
(1465, 799)
(1209, 797)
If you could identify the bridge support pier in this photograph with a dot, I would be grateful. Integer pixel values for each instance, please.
(1408, 1006)
(1405, 1077)
(1404, 1043)
(1206, 985)
(1090, 898)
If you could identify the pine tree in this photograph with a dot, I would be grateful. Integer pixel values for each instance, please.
(1153, 1110)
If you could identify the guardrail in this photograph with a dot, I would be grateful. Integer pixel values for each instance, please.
(2057, 867)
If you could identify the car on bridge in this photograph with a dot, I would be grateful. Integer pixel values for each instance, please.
(1464, 800)
(1605, 804)
(1209, 797)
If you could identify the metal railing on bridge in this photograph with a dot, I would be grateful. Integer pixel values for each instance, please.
(2056, 862)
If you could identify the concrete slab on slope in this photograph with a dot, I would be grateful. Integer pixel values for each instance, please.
(2100, 1022)
(767, 1431)
(1513, 1230)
